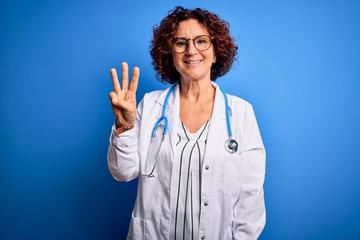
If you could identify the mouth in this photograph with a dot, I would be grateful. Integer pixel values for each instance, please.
(193, 62)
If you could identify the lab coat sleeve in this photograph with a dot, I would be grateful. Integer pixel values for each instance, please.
(249, 210)
(123, 155)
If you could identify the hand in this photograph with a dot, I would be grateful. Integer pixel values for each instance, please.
(123, 100)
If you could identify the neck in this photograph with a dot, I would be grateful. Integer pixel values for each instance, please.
(195, 91)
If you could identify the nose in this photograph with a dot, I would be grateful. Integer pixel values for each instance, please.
(191, 49)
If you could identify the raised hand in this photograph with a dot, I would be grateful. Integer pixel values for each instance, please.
(123, 99)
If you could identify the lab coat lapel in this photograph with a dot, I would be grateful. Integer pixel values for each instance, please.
(172, 106)
(172, 114)
(217, 130)
(173, 117)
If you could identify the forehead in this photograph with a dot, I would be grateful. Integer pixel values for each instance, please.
(191, 28)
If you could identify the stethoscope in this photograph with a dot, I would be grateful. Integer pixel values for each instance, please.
(231, 145)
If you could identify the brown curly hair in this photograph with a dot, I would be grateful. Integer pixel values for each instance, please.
(165, 35)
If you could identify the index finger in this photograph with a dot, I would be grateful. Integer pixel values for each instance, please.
(135, 79)
(115, 80)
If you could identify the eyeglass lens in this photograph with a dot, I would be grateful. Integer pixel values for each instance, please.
(201, 43)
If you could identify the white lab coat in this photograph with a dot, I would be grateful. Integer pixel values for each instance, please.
(232, 194)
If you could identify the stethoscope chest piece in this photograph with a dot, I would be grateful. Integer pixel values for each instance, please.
(231, 145)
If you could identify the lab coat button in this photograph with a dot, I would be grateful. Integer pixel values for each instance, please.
(207, 167)
(206, 203)
(203, 237)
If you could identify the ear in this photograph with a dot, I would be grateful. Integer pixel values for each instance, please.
(214, 60)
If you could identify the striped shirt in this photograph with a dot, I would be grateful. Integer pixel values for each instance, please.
(186, 183)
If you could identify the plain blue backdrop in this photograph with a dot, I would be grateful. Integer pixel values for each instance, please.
(298, 64)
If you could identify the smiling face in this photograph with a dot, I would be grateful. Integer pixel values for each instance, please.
(193, 64)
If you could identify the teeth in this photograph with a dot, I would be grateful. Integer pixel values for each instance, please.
(193, 62)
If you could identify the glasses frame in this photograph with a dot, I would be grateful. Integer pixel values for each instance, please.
(193, 40)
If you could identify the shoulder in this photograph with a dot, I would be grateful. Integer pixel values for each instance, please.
(152, 95)
(238, 103)
(234, 102)
(152, 99)
(160, 95)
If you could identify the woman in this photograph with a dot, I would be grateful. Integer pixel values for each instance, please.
(197, 151)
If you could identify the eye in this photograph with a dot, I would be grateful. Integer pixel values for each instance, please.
(180, 43)
(201, 41)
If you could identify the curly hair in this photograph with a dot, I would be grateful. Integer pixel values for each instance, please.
(165, 35)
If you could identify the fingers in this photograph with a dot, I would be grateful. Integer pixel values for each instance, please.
(113, 98)
(125, 78)
(135, 79)
(125, 75)
(115, 80)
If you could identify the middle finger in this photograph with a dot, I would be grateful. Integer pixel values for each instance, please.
(125, 75)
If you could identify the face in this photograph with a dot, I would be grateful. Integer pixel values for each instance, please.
(193, 64)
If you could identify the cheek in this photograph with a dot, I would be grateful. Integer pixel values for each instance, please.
(176, 61)
(212, 55)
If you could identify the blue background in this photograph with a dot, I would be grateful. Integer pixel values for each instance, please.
(298, 64)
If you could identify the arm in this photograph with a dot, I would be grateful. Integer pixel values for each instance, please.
(123, 156)
(123, 159)
(249, 210)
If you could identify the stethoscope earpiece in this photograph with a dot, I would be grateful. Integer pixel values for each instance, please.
(231, 145)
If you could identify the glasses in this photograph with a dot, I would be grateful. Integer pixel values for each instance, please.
(201, 43)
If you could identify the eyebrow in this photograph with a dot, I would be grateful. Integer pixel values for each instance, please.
(192, 38)
(184, 38)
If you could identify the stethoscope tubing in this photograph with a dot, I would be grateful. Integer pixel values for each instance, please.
(163, 114)
(231, 145)
(227, 114)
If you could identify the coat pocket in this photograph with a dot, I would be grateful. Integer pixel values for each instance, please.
(136, 229)
(232, 175)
